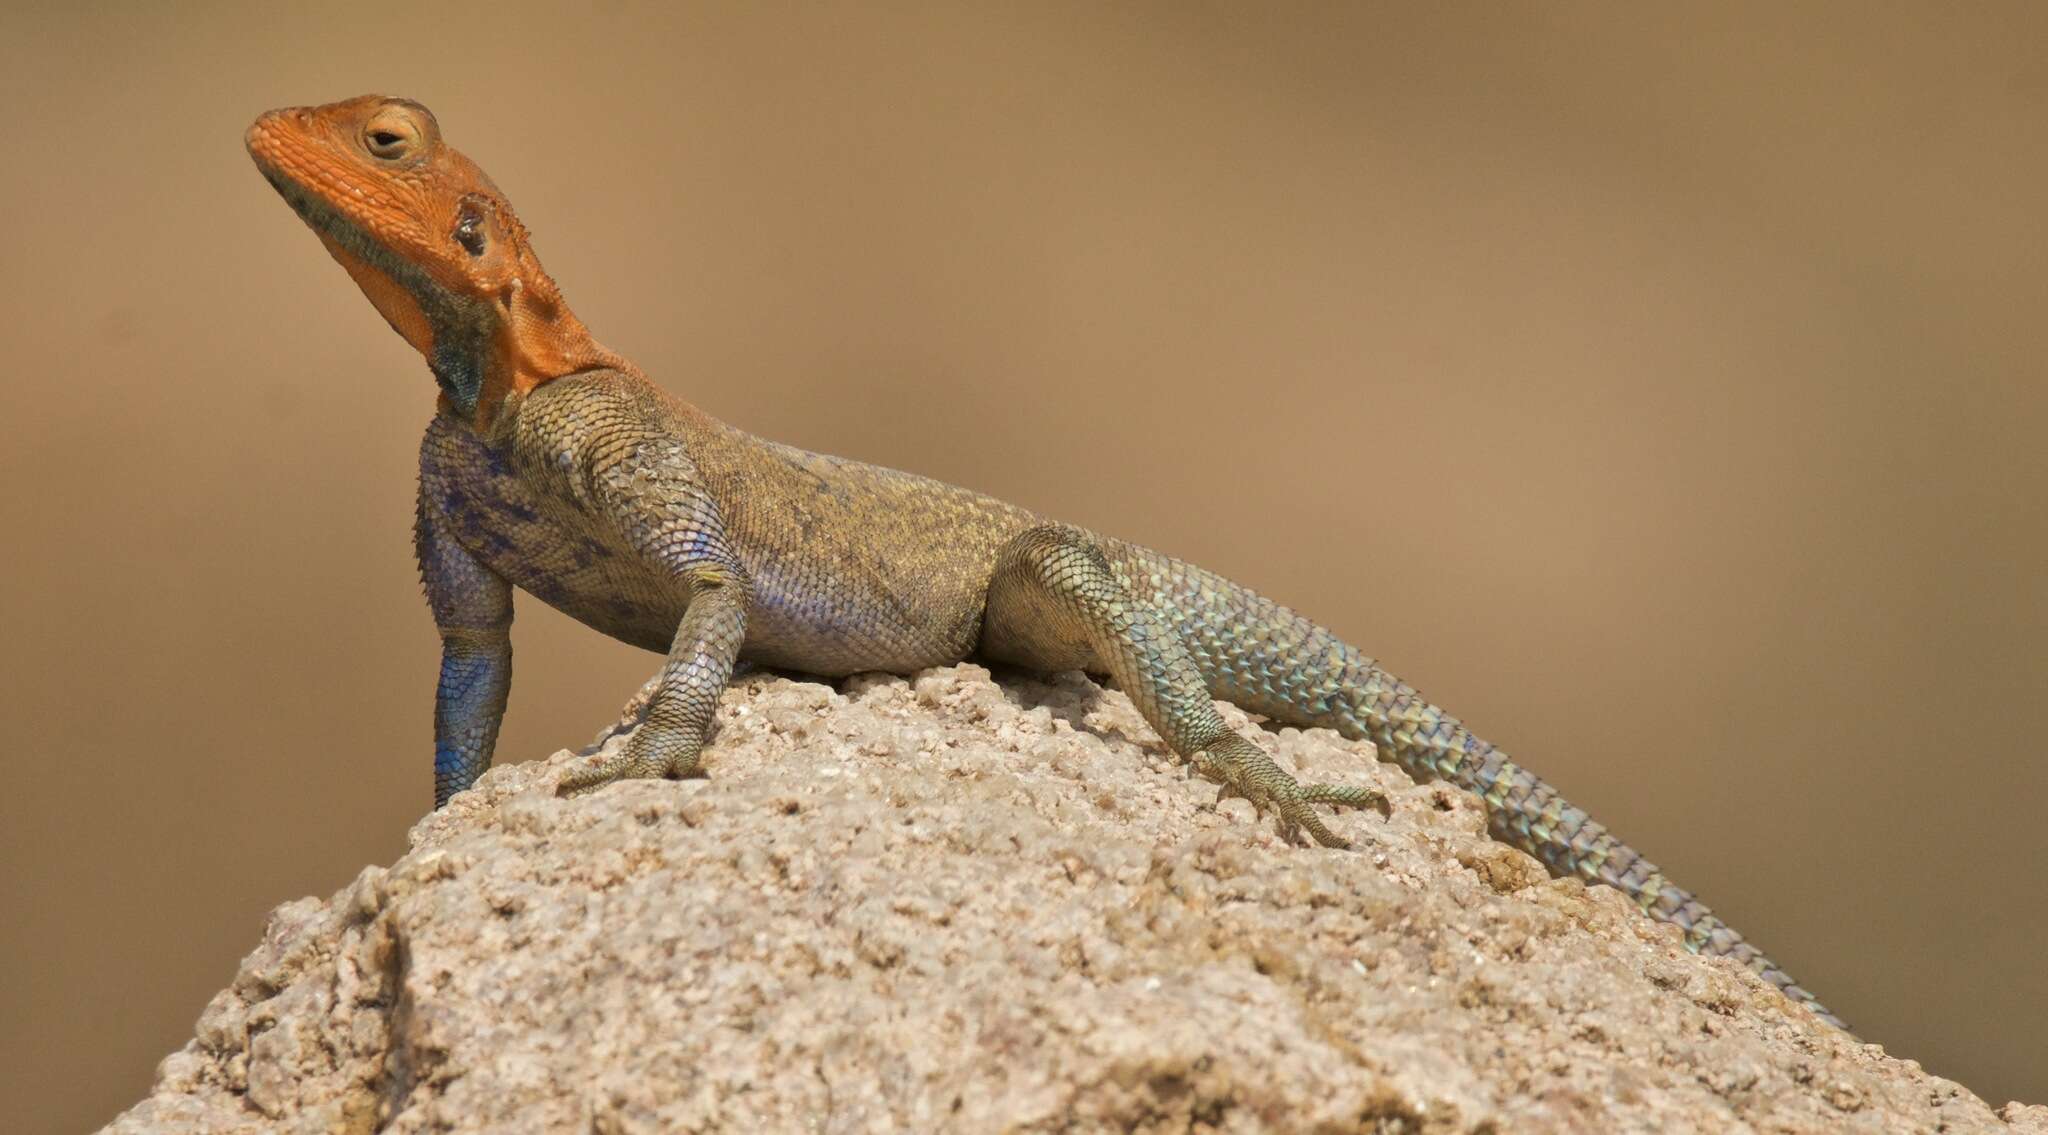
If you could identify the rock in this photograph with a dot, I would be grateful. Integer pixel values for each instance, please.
(954, 904)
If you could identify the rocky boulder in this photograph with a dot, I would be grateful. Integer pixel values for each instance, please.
(948, 903)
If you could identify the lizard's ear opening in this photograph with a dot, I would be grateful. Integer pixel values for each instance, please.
(486, 245)
(469, 228)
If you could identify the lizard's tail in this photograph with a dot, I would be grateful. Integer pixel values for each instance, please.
(1525, 811)
(1272, 661)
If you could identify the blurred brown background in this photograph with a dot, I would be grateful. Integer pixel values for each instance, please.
(1663, 392)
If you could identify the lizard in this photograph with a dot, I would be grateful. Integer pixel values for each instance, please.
(555, 466)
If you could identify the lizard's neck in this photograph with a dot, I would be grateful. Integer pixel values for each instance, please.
(487, 354)
(518, 340)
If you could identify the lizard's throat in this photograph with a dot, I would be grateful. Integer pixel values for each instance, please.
(459, 336)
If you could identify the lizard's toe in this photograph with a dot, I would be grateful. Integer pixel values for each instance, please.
(591, 779)
(1229, 790)
(1246, 772)
(649, 754)
(1288, 831)
(597, 744)
(1349, 796)
(627, 764)
(616, 767)
(1298, 817)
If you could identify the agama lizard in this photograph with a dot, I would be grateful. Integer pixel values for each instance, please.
(554, 465)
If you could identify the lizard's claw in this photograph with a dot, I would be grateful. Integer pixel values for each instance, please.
(632, 716)
(1244, 771)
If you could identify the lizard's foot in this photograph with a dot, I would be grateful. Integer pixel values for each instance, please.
(642, 758)
(1245, 771)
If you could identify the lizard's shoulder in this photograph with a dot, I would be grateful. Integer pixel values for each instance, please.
(616, 434)
(573, 424)
(596, 401)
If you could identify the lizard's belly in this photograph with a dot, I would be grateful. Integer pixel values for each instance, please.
(804, 615)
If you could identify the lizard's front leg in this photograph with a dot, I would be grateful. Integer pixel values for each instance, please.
(472, 608)
(1055, 602)
(678, 715)
(646, 488)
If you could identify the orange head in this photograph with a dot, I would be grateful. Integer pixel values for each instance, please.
(431, 242)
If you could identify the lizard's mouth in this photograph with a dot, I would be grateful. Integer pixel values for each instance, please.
(283, 163)
(347, 215)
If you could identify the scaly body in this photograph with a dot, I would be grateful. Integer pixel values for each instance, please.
(554, 466)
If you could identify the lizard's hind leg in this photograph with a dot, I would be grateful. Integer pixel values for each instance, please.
(1055, 603)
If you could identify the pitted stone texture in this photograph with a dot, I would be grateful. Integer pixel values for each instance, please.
(952, 904)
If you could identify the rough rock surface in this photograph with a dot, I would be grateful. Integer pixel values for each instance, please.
(952, 904)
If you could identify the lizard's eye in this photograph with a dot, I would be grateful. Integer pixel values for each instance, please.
(389, 139)
(469, 230)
